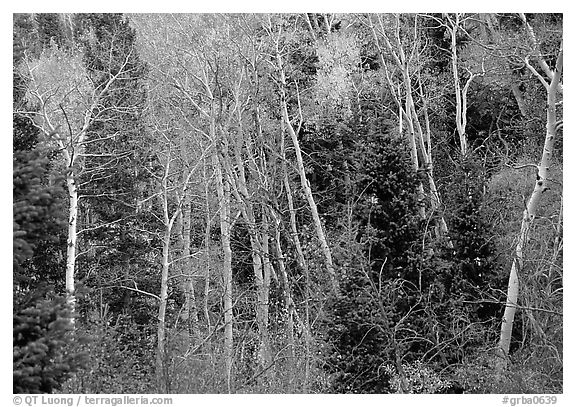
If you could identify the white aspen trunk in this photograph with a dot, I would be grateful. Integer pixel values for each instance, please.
(223, 192)
(262, 282)
(191, 308)
(427, 164)
(71, 242)
(161, 367)
(265, 347)
(207, 263)
(414, 153)
(460, 109)
(400, 120)
(168, 223)
(303, 264)
(417, 138)
(73, 213)
(258, 240)
(417, 134)
(71, 146)
(461, 94)
(540, 186)
(287, 294)
(311, 202)
(303, 179)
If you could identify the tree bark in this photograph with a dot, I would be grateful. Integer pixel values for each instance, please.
(303, 265)
(302, 173)
(168, 223)
(223, 191)
(264, 294)
(257, 235)
(287, 294)
(161, 368)
(72, 240)
(161, 362)
(207, 263)
(311, 202)
(540, 186)
(519, 99)
(460, 95)
(187, 268)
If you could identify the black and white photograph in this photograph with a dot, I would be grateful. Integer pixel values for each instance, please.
(287, 203)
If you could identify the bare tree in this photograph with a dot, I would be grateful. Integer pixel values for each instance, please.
(275, 34)
(453, 25)
(541, 185)
(67, 105)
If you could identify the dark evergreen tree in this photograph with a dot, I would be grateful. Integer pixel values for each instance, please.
(458, 279)
(474, 270)
(39, 219)
(361, 318)
(44, 355)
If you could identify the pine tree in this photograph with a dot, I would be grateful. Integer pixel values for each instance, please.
(361, 319)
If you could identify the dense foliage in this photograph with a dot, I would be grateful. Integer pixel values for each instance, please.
(287, 203)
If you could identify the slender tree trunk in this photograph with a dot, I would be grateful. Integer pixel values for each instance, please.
(540, 186)
(460, 107)
(161, 367)
(519, 99)
(161, 362)
(311, 202)
(414, 150)
(71, 241)
(207, 264)
(260, 264)
(258, 235)
(191, 308)
(303, 179)
(265, 347)
(303, 265)
(287, 294)
(168, 222)
(223, 191)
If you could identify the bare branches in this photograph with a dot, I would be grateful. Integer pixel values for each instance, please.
(539, 57)
(453, 26)
(103, 225)
(135, 289)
